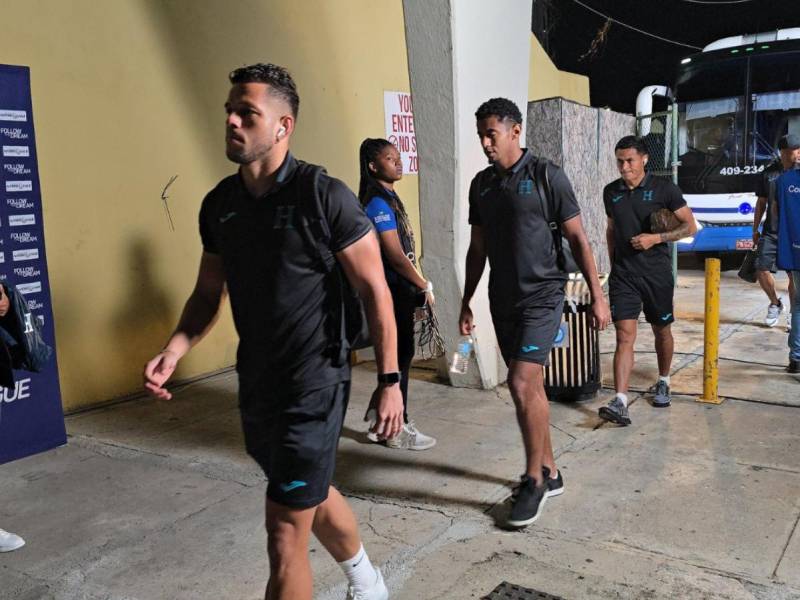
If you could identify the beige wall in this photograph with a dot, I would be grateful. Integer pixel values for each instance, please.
(127, 93)
(546, 81)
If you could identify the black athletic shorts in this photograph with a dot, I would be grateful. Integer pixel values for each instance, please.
(653, 292)
(294, 439)
(767, 253)
(529, 336)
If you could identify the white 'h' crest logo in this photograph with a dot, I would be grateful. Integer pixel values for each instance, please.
(28, 323)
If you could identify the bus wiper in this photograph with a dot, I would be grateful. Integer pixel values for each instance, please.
(769, 147)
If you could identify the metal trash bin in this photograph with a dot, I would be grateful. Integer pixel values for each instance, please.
(574, 372)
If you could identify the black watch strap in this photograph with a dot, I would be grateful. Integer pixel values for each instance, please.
(389, 378)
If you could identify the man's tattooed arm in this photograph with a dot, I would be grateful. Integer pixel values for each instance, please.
(681, 231)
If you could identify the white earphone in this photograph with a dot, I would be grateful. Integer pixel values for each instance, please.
(281, 132)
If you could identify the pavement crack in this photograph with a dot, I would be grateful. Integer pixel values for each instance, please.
(387, 502)
(95, 445)
(786, 547)
(568, 434)
(767, 468)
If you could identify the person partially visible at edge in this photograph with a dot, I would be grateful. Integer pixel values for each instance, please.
(788, 209)
(292, 392)
(526, 285)
(381, 167)
(641, 268)
(8, 541)
(766, 241)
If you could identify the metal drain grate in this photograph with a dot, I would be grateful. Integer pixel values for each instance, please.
(509, 591)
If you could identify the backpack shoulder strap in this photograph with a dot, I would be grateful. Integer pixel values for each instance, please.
(541, 176)
(309, 190)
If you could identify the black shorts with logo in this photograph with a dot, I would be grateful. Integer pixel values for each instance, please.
(654, 292)
(767, 253)
(529, 335)
(294, 439)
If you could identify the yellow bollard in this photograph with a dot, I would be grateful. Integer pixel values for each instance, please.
(711, 335)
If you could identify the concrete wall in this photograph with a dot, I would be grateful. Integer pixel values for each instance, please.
(546, 81)
(581, 139)
(457, 63)
(127, 94)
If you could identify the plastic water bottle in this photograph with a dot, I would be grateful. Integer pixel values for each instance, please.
(461, 355)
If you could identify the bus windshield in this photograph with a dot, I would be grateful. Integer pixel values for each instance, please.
(710, 144)
(775, 102)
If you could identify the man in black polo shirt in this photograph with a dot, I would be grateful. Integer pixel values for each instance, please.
(766, 242)
(641, 268)
(258, 229)
(526, 285)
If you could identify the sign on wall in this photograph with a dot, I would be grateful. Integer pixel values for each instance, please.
(400, 128)
(31, 417)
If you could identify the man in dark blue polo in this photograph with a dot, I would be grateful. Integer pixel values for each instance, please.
(257, 227)
(641, 268)
(510, 228)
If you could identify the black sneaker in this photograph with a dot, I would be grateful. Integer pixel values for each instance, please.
(555, 487)
(794, 366)
(528, 504)
(616, 412)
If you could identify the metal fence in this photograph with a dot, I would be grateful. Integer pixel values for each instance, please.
(660, 134)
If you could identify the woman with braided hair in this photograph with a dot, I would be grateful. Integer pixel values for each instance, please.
(381, 167)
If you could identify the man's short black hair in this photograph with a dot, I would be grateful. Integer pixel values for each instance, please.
(502, 108)
(281, 84)
(632, 141)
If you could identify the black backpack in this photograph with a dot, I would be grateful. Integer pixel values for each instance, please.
(539, 172)
(352, 330)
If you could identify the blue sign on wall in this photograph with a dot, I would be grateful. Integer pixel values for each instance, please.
(31, 417)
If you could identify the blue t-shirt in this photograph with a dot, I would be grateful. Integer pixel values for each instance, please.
(381, 215)
(788, 194)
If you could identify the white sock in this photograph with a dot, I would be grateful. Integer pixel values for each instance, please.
(663, 378)
(359, 571)
(623, 397)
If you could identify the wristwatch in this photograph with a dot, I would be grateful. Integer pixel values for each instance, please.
(389, 378)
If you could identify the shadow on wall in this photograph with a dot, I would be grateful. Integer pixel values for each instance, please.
(206, 40)
(144, 313)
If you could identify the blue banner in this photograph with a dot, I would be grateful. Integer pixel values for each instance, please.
(31, 417)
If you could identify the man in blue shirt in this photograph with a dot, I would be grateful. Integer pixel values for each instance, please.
(788, 196)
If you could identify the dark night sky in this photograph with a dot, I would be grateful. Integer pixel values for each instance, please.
(628, 60)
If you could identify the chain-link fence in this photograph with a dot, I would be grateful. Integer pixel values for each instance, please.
(660, 134)
(657, 132)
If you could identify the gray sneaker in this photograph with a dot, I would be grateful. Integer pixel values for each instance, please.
(411, 438)
(615, 412)
(774, 313)
(661, 395)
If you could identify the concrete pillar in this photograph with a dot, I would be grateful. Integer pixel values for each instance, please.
(460, 53)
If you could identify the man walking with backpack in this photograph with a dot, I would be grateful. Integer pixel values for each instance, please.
(511, 226)
(269, 235)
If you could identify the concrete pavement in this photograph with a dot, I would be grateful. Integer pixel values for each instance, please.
(153, 500)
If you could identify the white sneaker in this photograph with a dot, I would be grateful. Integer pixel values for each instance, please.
(773, 313)
(378, 591)
(10, 541)
(411, 438)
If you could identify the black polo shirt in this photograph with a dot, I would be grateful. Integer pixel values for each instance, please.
(278, 289)
(630, 210)
(519, 243)
(766, 189)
